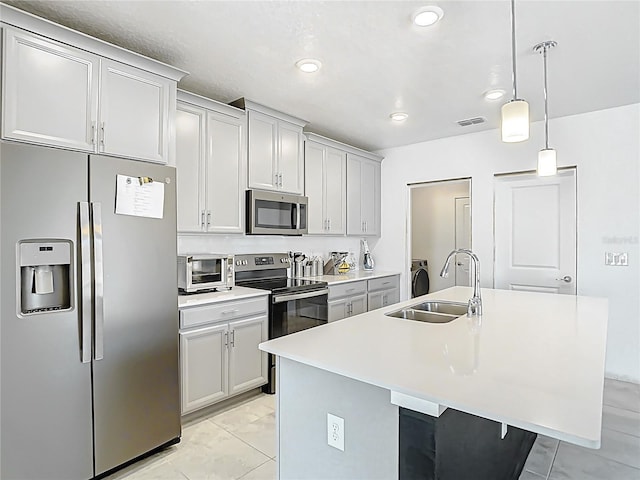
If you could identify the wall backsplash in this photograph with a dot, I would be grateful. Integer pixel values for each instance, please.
(236, 244)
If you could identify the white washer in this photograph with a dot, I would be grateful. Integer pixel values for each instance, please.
(419, 278)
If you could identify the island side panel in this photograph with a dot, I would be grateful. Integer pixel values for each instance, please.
(305, 396)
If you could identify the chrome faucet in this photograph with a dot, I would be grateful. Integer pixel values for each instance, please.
(474, 308)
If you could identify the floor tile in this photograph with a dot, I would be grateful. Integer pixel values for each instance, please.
(210, 452)
(541, 456)
(267, 400)
(526, 475)
(620, 447)
(620, 420)
(623, 395)
(160, 471)
(575, 463)
(260, 434)
(266, 471)
(241, 415)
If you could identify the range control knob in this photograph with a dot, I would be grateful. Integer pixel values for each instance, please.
(244, 262)
(238, 262)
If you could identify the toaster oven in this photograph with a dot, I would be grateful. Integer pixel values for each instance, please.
(204, 272)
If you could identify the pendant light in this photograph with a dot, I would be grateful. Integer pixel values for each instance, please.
(547, 164)
(515, 114)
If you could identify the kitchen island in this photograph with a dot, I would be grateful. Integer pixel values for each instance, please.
(535, 362)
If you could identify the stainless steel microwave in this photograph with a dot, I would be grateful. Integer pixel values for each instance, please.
(273, 213)
(200, 272)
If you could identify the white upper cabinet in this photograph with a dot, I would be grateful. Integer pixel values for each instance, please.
(134, 112)
(190, 165)
(50, 93)
(275, 149)
(210, 160)
(363, 195)
(64, 89)
(325, 186)
(263, 151)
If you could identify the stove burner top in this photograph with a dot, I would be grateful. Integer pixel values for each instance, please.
(281, 285)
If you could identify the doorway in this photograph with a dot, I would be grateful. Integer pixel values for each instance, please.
(440, 215)
(535, 232)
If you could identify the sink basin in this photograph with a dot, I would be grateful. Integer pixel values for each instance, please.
(440, 306)
(431, 312)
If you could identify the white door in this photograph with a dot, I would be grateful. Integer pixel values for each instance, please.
(263, 131)
(535, 232)
(190, 151)
(203, 365)
(290, 158)
(134, 112)
(463, 240)
(355, 225)
(50, 93)
(335, 190)
(225, 185)
(313, 184)
(247, 363)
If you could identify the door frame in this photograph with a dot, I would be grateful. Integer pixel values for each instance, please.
(577, 208)
(409, 224)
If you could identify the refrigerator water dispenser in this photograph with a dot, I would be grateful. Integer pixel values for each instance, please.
(45, 276)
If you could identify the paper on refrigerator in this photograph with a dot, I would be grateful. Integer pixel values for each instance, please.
(139, 196)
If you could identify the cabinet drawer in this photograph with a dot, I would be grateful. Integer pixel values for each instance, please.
(348, 289)
(383, 283)
(222, 312)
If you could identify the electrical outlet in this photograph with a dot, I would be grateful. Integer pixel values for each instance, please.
(335, 432)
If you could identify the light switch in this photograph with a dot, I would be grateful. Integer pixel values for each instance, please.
(616, 259)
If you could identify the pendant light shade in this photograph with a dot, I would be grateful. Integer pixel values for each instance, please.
(547, 164)
(515, 121)
(515, 114)
(547, 159)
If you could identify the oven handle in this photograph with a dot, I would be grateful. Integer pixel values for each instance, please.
(299, 296)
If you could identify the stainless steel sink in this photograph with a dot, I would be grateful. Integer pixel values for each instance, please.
(431, 312)
(441, 306)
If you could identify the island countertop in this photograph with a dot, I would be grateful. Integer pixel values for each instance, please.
(535, 361)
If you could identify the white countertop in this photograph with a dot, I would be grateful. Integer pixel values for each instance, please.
(236, 293)
(351, 276)
(536, 361)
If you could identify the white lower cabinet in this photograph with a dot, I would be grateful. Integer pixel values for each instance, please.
(221, 358)
(383, 291)
(346, 300)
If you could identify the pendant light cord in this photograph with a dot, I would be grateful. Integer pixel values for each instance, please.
(513, 48)
(546, 108)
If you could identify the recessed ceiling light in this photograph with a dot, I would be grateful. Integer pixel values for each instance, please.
(427, 16)
(308, 65)
(398, 116)
(493, 94)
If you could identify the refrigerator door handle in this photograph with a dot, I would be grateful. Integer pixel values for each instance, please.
(85, 278)
(98, 265)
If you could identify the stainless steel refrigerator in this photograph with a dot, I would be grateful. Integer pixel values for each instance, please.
(89, 319)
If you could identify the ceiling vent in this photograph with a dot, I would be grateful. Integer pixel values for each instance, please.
(471, 121)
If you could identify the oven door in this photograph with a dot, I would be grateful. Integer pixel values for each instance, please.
(294, 312)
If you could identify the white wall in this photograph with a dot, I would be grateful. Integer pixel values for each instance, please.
(433, 227)
(605, 147)
(236, 244)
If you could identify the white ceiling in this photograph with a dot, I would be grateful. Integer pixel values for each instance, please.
(374, 61)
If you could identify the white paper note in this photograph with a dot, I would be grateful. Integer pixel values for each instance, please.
(139, 196)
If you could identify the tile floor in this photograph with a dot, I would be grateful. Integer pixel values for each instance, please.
(238, 442)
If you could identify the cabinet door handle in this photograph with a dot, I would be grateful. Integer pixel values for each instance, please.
(93, 133)
(102, 135)
(202, 219)
(226, 339)
(233, 338)
(280, 177)
(208, 217)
